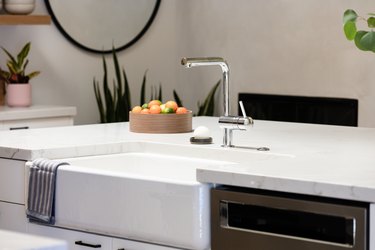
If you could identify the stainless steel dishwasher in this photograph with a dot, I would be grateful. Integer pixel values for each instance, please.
(256, 220)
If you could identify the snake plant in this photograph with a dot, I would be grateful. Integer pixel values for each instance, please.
(113, 107)
(114, 103)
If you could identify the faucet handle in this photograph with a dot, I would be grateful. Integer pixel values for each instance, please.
(242, 109)
(250, 120)
(236, 122)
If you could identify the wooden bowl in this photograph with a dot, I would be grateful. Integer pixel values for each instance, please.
(160, 123)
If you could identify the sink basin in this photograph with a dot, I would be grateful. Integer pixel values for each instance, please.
(139, 195)
(147, 193)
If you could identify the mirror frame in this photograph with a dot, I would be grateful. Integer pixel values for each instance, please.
(82, 46)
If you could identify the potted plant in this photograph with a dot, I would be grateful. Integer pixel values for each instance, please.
(18, 87)
(363, 39)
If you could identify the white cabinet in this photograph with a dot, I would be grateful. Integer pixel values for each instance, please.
(36, 117)
(13, 217)
(12, 195)
(76, 240)
(12, 181)
(121, 244)
(81, 240)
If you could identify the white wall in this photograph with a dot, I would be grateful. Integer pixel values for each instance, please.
(275, 46)
(67, 72)
(292, 47)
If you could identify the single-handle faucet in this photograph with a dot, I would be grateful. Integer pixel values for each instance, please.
(227, 122)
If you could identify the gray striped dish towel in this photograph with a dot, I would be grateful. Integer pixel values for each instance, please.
(41, 190)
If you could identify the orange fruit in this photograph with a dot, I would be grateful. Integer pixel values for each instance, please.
(137, 109)
(154, 102)
(155, 109)
(171, 104)
(181, 110)
(145, 111)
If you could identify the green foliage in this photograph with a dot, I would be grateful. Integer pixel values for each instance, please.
(208, 106)
(115, 106)
(364, 40)
(156, 94)
(177, 99)
(17, 66)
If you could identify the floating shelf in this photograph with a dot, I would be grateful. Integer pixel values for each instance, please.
(25, 19)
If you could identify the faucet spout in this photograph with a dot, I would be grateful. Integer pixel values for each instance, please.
(211, 61)
(227, 122)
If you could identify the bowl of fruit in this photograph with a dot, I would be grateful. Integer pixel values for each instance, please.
(158, 117)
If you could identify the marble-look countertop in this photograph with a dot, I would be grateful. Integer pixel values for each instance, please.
(330, 161)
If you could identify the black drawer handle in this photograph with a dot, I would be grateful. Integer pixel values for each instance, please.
(80, 243)
(16, 128)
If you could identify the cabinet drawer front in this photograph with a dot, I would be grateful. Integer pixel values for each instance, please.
(37, 123)
(121, 244)
(76, 240)
(12, 181)
(13, 217)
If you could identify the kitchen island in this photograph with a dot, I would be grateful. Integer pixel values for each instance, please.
(317, 160)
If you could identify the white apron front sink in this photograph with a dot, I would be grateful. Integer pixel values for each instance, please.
(136, 195)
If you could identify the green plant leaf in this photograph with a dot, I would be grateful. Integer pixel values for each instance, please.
(357, 40)
(127, 90)
(177, 99)
(108, 98)
(143, 89)
(117, 71)
(371, 22)
(12, 68)
(350, 30)
(371, 14)
(115, 100)
(12, 59)
(99, 101)
(349, 15)
(160, 95)
(118, 91)
(207, 108)
(5, 75)
(33, 74)
(22, 70)
(153, 93)
(367, 41)
(23, 54)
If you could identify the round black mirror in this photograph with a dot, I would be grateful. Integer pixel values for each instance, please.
(97, 25)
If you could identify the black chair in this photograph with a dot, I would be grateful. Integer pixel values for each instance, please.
(318, 110)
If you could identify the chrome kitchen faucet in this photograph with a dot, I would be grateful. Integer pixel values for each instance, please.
(227, 122)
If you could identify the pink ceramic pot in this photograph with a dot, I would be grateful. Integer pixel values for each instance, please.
(18, 95)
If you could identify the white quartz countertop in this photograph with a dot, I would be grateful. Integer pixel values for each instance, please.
(330, 161)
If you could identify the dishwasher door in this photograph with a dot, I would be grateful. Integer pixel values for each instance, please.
(243, 220)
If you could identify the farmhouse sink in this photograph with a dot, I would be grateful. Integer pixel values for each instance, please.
(148, 193)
